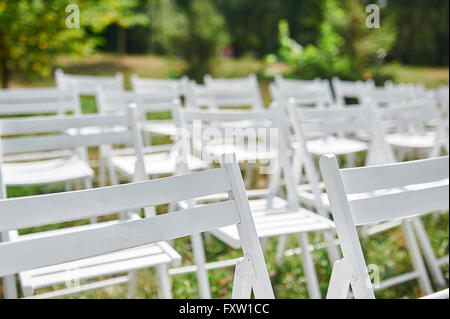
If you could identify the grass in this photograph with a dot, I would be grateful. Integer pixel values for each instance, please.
(386, 250)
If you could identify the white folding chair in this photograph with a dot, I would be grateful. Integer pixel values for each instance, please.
(68, 168)
(159, 86)
(356, 90)
(112, 239)
(88, 84)
(336, 125)
(38, 101)
(386, 96)
(234, 92)
(362, 196)
(409, 126)
(274, 216)
(316, 93)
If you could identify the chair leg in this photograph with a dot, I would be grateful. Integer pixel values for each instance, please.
(9, 287)
(416, 258)
(308, 265)
(68, 186)
(132, 284)
(200, 261)
(428, 252)
(281, 247)
(165, 290)
(351, 161)
(263, 243)
(332, 248)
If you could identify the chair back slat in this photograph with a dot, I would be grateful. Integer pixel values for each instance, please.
(54, 249)
(373, 178)
(114, 131)
(331, 121)
(400, 204)
(38, 101)
(97, 202)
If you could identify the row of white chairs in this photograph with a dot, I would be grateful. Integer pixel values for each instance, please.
(412, 181)
(243, 154)
(358, 124)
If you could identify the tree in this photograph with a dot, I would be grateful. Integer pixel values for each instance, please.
(33, 33)
(345, 48)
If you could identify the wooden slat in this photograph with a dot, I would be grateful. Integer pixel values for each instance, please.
(30, 254)
(51, 142)
(400, 205)
(227, 115)
(26, 212)
(368, 179)
(57, 123)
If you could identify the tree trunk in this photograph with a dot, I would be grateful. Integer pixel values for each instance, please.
(5, 71)
(121, 40)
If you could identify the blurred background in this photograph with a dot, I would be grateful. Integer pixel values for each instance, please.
(226, 38)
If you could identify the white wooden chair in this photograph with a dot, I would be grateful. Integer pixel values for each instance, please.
(234, 92)
(74, 167)
(274, 216)
(88, 84)
(159, 159)
(350, 90)
(112, 239)
(22, 102)
(316, 93)
(333, 124)
(408, 126)
(386, 96)
(396, 191)
(159, 86)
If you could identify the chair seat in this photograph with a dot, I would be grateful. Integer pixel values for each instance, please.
(156, 164)
(335, 145)
(276, 221)
(109, 264)
(425, 140)
(46, 171)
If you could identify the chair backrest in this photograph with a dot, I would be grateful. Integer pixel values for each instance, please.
(41, 134)
(116, 101)
(263, 131)
(386, 96)
(398, 191)
(159, 86)
(335, 122)
(235, 92)
(415, 117)
(88, 84)
(340, 122)
(16, 256)
(20, 102)
(350, 90)
(316, 93)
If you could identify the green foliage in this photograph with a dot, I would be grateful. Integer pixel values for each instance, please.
(193, 29)
(423, 31)
(33, 33)
(345, 48)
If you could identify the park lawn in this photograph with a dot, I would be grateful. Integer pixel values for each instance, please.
(386, 250)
